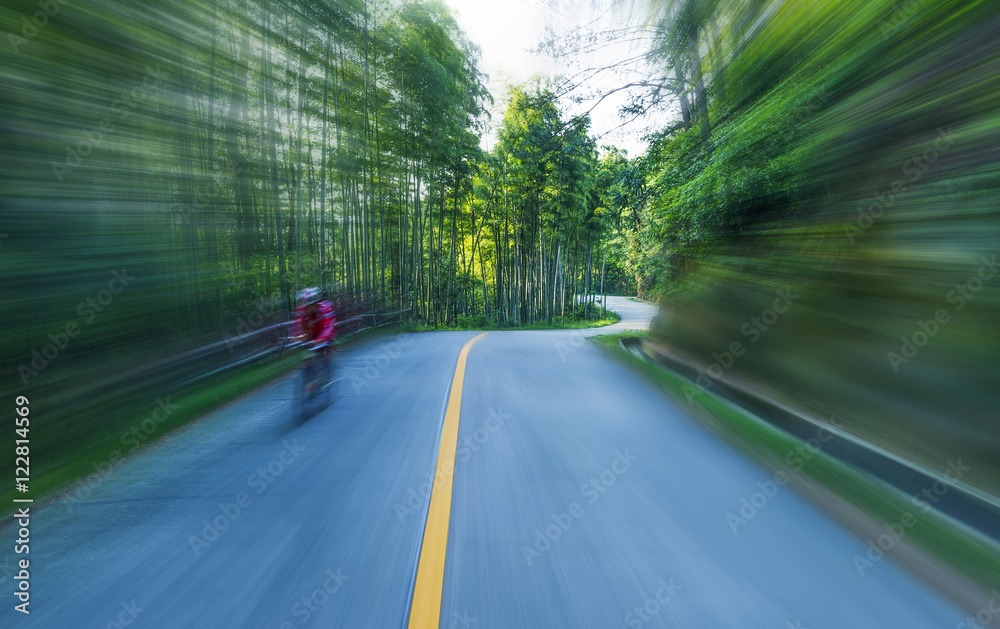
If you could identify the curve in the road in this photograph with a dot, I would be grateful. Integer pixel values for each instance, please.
(580, 498)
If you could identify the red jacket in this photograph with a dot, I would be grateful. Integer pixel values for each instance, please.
(319, 326)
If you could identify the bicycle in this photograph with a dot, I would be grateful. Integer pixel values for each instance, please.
(315, 380)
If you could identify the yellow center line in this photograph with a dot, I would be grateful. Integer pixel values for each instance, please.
(425, 610)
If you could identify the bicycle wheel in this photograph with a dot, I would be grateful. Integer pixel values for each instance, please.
(331, 369)
(305, 379)
(328, 377)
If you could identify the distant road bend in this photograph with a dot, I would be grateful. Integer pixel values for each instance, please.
(580, 497)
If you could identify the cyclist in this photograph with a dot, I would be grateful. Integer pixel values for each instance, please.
(314, 320)
(314, 326)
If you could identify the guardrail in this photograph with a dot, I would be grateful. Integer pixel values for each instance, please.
(180, 370)
(269, 341)
(375, 320)
(974, 508)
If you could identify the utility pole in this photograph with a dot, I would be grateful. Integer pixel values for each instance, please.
(604, 303)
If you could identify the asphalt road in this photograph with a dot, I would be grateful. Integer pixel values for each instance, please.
(582, 498)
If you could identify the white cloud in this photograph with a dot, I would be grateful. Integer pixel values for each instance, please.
(507, 29)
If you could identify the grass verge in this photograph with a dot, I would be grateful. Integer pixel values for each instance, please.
(940, 538)
(476, 324)
(108, 451)
(95, 459)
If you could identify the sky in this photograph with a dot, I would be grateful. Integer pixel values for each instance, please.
(506, 29)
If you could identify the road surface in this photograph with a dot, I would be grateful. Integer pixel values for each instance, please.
(581, 498)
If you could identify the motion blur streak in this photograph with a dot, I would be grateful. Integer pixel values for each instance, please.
(217, 155)
(845, 152)
(821, 223)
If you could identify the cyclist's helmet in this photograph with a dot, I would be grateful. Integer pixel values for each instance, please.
(307, 296)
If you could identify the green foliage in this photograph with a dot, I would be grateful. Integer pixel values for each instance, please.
(222, 155)
(837, 150)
